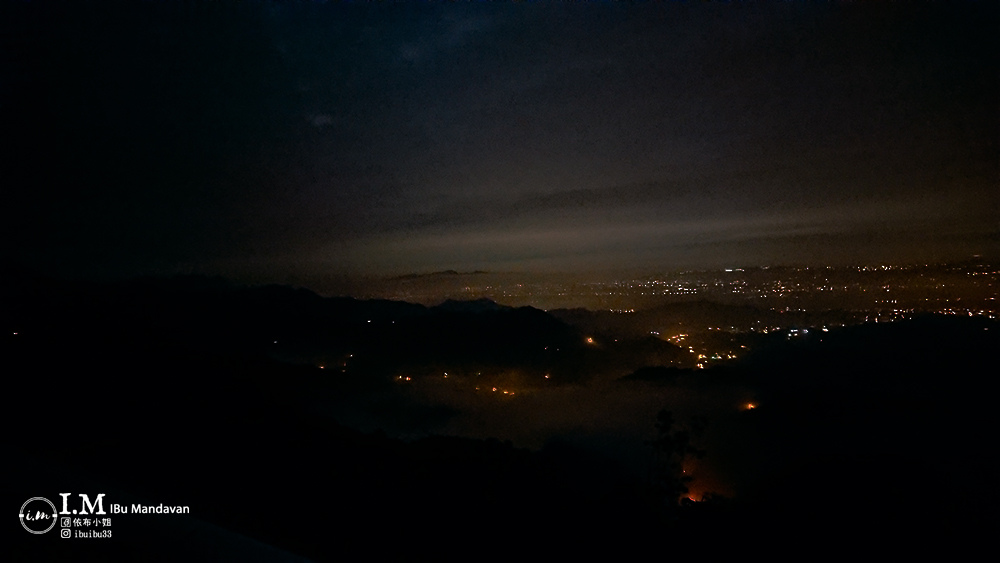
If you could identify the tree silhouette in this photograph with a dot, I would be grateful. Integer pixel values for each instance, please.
(672, 446)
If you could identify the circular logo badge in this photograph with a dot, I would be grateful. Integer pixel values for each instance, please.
(38, 515)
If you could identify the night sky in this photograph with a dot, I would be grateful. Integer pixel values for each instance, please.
(276, 142)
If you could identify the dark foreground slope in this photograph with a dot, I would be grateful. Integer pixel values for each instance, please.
(882, 430)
